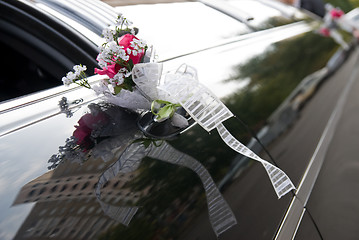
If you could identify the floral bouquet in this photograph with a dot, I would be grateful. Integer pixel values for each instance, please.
(334, 19)
(118, 55)
(131, 80)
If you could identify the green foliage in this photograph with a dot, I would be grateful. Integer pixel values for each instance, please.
(346, 6)
(144, 230)
(354, 3)
(274, 75)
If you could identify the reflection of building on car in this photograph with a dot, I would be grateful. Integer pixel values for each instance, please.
(48, 189)
(60, 193)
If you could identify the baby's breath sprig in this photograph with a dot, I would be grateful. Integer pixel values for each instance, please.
(78, 76)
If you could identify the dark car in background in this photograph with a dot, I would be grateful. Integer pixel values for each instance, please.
(292, 91)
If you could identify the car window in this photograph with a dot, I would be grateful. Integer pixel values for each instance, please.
(31, 64)
(23, 78)
(38, 50)
(182, 27)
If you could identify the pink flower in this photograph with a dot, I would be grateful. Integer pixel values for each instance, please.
(125, 41)
(83, 137)
(86, 124)
(336, 13)
(111, 70)
(325, 32)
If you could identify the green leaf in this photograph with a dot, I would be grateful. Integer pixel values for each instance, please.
(166, 109)
(130, 63)
(165, 112)
(117, 89)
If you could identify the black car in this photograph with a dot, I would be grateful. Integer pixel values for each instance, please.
(75, 166)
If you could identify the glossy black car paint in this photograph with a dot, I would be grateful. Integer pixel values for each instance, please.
(280, 82)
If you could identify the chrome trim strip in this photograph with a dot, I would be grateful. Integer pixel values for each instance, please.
(300, 220)
(274, 34)
(293, 217)
(41, 106)
(34, 98)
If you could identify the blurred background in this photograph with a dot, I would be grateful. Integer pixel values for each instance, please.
(346, 5)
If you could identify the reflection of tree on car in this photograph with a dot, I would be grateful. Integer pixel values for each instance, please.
(262, 95)
(314, 6)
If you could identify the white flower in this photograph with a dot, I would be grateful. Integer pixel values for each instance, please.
(122, 21)
(119, 20)
(104, 56)
(100, 88)
(133, 43)
(112, 46)
(122, 54)
(127, 22)
(113, 82)
(101, 48)
(142, 43)
(66, 81)
(134, 52)
(102, 63)
(138, 44)
(71, 76)
(108, 34)
(78, 69)
(127, 74)
(118, 78)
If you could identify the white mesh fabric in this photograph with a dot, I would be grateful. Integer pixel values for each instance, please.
(280, 181)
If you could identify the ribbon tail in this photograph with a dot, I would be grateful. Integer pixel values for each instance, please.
(220, 214)
(127, 162)
(338, 38)
(122, 215)
(280, 181)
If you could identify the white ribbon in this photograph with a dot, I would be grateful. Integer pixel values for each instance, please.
(332, 25)
(209, 112)
(147, 76)
(280, 181)
(220, 214)
(127, 162)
